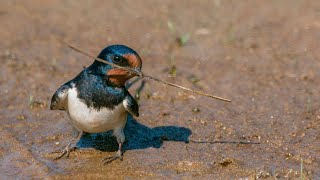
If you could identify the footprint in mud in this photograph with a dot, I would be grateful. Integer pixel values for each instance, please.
(138, 136)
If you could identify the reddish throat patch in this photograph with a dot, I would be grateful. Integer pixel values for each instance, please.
(119, 76)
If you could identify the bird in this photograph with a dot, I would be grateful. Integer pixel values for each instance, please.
(97, 100)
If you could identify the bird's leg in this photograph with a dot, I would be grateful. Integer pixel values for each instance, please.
(66, 151)
(120, 138)
(118, 155)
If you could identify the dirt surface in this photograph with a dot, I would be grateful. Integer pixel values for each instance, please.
(264, 55)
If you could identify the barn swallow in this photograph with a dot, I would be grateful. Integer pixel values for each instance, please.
(97, 100)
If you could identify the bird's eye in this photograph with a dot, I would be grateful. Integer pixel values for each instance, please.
(117, 59)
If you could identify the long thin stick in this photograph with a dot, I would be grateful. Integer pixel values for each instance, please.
(187, 89)
(141, 75)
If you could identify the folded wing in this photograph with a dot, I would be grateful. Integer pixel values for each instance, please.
(131, 105)
(59, 99)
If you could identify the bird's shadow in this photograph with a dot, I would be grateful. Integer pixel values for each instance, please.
(138, 136)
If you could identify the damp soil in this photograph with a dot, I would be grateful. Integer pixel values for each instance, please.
(263, 55)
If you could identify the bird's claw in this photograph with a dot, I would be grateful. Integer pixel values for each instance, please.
(108, 160)
(66, 151)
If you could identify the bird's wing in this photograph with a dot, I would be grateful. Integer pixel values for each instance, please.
(59, 98)
(131, 105)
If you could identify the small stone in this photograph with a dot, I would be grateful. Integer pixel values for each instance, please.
(226, 162)
(202, 31)
(21, 117)
(195, 110)
(165, 114)
(262, 174)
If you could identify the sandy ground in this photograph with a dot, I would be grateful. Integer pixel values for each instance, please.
(264, 55)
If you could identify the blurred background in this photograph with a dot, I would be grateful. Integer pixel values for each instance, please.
(263, 55)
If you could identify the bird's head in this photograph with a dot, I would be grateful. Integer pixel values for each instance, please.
(120, 55)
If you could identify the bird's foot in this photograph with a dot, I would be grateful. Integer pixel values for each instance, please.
(108, 160)
(65, 152)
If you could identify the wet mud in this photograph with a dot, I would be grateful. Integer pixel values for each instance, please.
(263, 55)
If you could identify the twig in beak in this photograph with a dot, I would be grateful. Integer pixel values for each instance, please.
(142, 76)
